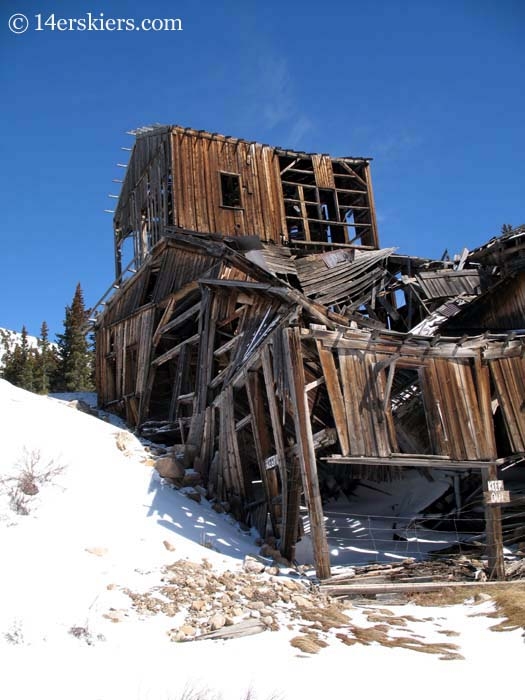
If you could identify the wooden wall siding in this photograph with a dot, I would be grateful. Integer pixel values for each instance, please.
(145, 203)
(178, 268)
(367, 433)
(448, 283)
(500, 309)
(344, 278)
(133, 332)
(508, 375)
(324, 174)
(129, 298)
(453, 410)
(197, 162)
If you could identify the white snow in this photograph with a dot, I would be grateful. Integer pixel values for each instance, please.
(100, 525)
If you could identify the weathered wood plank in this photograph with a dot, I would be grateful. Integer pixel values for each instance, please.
(307, 461)
(335, 395)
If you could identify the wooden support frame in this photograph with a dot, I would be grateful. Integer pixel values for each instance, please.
(307, 460)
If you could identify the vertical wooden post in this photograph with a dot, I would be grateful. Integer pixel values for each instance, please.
(207, 321)
(263, 446)
(305, 445)
(494, 532)
(290, 473)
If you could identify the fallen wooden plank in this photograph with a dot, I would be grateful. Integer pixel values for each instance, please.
(244, 628)
(379, 588)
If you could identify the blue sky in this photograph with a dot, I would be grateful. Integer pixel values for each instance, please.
(432, 91)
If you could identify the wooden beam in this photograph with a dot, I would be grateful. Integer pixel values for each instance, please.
(290, 498)
(494, 533)
(173, 352)
(263, 446)
(307, 460)
(407, 460)
(335, 395)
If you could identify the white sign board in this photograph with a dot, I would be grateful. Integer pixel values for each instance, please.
(495, 485)
(497, 497)
(271, 462)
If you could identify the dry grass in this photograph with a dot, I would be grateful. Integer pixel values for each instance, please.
(308, 643)
(509, 600)
(510, 603)
(325, 617)
(379, 635)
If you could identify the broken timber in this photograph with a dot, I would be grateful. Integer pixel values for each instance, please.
(262, 333)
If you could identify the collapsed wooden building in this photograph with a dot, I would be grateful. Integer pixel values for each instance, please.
(260, 325)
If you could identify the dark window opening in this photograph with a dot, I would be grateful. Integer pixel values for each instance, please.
(230, 190)
(150, 287)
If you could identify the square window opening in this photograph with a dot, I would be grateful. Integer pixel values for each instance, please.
(231, 190)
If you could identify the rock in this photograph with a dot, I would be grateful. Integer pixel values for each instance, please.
(252, 566)
(190, 452)
(188, 631)
(170, 547)
(302, 602)
(270, 552)
(217, 507)
(217, 622)
(169, 467)
(291, 585)
(272, 570)
(198, 605)
(255, 614)
(192, 493)
(125, 441)
(191, 478)
(82, 406)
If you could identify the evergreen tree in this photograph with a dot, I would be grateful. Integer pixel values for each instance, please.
(76, 357)
(46, 363)
(27, 363)
(506, 228)
(19, 362)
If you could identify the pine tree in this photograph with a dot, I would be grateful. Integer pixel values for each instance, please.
(506, 228)
(12, 360)
(19, 362)
(27, 363)
(46, 363)
(76, 357)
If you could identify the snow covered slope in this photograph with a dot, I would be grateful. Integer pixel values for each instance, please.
(102, 524)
